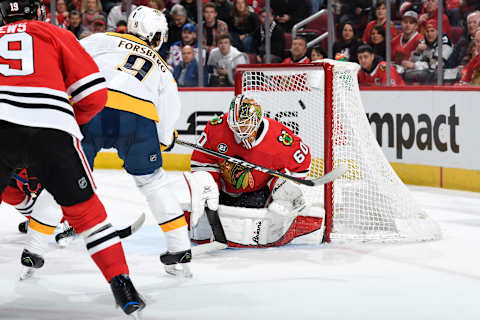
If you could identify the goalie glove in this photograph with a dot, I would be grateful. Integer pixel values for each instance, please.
(168, 148)
(284, 192)
(203, 191)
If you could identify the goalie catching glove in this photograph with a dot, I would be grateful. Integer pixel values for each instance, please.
(287, 198)
(203, 191)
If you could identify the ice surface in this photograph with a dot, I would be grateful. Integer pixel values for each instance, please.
(429, 280)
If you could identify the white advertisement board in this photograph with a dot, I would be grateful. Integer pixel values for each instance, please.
(417, 127)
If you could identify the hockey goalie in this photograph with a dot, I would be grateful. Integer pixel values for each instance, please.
(256, 209)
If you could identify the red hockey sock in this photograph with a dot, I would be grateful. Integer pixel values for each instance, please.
(85, 215)
(111, 261)
(13, 196)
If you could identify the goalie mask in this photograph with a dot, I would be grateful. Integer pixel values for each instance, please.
(148, 24)
(244, 119)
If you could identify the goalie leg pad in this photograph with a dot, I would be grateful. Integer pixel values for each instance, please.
(203, 191)
(253, 227)
(166, 209)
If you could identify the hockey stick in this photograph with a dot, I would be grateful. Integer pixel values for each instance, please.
(329, 177)
(220, 240)
(131, 229)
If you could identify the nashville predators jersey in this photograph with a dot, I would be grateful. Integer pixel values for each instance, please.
(138, 80)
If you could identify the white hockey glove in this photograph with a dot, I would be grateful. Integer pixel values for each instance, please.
(287, 198)
(203, 191)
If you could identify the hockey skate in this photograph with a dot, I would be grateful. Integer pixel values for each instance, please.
(64, 238)
(126, 296)
(30, 261)
(23, 226)
(177, 263)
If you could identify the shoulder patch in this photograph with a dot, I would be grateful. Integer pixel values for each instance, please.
(383, 66)
(216, 120)
(286, 139)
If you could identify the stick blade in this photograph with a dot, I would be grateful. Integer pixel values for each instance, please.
(208, 247)
(336, 173)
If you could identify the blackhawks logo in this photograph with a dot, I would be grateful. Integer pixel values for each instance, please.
(237, 175)
(286, 138)
(216, 120)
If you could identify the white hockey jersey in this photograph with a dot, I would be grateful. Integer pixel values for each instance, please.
(138, 80)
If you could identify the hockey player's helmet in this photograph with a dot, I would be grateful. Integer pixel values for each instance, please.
(149, 25)
(244, 116)
(16, 10)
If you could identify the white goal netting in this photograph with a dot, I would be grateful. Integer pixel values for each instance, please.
(369, 202)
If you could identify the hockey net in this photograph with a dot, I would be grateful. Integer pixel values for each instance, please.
(321, 103)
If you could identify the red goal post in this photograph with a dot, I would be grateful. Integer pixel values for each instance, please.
(321, 103)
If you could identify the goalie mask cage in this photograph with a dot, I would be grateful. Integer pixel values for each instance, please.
(321, 103)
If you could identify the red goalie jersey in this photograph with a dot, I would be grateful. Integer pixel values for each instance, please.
(276, 147)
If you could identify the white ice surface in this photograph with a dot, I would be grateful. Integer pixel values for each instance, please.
(430, 280)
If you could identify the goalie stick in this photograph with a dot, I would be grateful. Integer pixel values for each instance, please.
(220, 240)
(329, 177)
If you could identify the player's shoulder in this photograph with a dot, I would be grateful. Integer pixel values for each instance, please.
(217, 122)
(281, 133)
(42, 29)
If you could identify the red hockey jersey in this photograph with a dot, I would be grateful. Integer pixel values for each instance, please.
(276, 148)
(41, 67)
(378, 76)
(401, 50)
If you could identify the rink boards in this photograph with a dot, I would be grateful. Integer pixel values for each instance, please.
(429, 134)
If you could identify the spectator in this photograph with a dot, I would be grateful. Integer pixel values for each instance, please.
(423, 62)
(61, 16)
(191, 7)
(289, 12)
(462, 52)
(224, 9)
(374, 70)
(179, 19)
(256, 5)
(223, 60)
(74, 5)
(241, 25)
(117, 13)
(99, 24)
(453, 12)
(404, 43)
(298, 52)
(471, 72)
(186, 73)
(91, 9)
(381, 13)
(189, 38)
(317, 54)
(431, 12)
(121, 27)
(377, 41)
(348, 42)
(75, 25)
(355, 11)
(160, 6)
(277, 37)
(212, 27)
